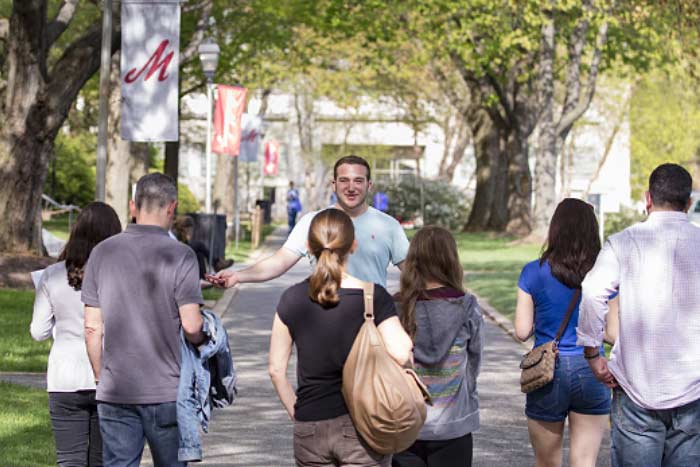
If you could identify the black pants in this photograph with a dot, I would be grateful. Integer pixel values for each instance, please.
(76, 428)
(449, 453)
(202, 253)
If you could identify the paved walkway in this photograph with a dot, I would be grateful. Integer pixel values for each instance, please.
(256, 431)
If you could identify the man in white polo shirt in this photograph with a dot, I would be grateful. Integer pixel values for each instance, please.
(380, 238)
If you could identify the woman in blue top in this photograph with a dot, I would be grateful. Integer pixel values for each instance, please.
(545, 289)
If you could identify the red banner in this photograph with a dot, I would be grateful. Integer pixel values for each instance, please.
(272, 158)
(227, 120)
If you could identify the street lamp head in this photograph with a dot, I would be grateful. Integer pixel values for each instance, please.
(209, 56)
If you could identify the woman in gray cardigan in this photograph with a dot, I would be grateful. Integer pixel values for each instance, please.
(445, 324)
(58, 312)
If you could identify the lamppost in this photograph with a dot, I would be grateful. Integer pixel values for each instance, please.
(209, 57)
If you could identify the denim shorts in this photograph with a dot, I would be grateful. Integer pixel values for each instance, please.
(574, 389)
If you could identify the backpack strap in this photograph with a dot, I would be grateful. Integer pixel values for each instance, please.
(368, 293)
(567, 317)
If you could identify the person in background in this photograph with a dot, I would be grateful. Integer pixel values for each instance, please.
(293, 206)
(380, 201)
(545, 290)
(58, 312)
(322, 316)
(140, 290)
(446, 326)
(654, 366)
(183, 228)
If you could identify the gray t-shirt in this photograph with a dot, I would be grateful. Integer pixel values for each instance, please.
(380, 239)
(139, 279)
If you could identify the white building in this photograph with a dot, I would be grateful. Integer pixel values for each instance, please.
(378, 127)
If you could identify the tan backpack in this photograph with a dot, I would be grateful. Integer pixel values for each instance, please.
(386, 402)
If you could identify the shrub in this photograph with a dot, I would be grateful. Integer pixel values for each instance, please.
(618, 221)
(186, 201)
(444, 205)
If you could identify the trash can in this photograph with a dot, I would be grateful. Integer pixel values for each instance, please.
(210, 229)
(266, 207)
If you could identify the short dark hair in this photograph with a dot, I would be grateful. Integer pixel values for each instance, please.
(670, 186)
(351, 159)
(573, 243)
(155, 190)
(96, 222)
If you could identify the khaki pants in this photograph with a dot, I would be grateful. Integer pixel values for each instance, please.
(333, 442)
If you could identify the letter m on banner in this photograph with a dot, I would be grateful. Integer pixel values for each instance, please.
(149, 69)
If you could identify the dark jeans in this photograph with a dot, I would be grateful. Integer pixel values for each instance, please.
(292, 218)
(75, 428)
(654, 438)
(333, 442)
(126, 427)
(448, 453)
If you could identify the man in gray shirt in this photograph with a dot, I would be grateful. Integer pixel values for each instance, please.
(139, 288)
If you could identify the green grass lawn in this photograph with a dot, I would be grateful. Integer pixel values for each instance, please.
(240, 254)
(25, 428)
(492, 265)
(58, 225)
(18, 351)
(212, 293)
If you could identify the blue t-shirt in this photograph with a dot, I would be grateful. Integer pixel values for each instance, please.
(551, 299)
(380, 240)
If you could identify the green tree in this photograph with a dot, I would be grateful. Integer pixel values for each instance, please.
(664, 125)
(71, 178)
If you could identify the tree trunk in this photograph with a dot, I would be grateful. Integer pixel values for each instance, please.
(519, 185)
(223, 197)
(172, 159)
(37, 102)
(460, 146)
(546, 164)
(489, 209)
(118, 152)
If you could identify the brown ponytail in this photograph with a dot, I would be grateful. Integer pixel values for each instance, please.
(331, 236)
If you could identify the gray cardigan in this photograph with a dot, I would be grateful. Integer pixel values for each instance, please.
(447, 352)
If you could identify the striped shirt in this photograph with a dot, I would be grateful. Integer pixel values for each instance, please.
(655, 265)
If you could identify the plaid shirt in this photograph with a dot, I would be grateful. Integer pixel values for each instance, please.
(655, 265)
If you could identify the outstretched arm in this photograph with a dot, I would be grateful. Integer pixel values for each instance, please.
(264, 270)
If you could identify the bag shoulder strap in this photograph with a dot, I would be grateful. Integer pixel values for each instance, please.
(567, 316)
(368, 293)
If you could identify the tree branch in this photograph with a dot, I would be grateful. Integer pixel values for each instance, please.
(576, 44)
(190, 51)
(568, 119)
(76, 66)
(61, 21)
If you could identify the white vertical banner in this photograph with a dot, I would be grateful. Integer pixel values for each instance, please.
(150, 61)
(251, 125)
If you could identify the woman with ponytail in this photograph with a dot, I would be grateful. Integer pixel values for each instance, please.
(59, 312)
(321, 316)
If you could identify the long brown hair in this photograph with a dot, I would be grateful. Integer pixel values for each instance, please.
(432, 256)
(331, 236)
(96, 222)
(573, 243)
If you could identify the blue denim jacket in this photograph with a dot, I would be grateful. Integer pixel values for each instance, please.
(207, 378)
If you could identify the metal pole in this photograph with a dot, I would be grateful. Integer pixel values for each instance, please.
(207, 202)
(236, 207)
(105, 65)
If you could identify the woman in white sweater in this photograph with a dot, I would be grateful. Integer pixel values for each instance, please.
(58, 313)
